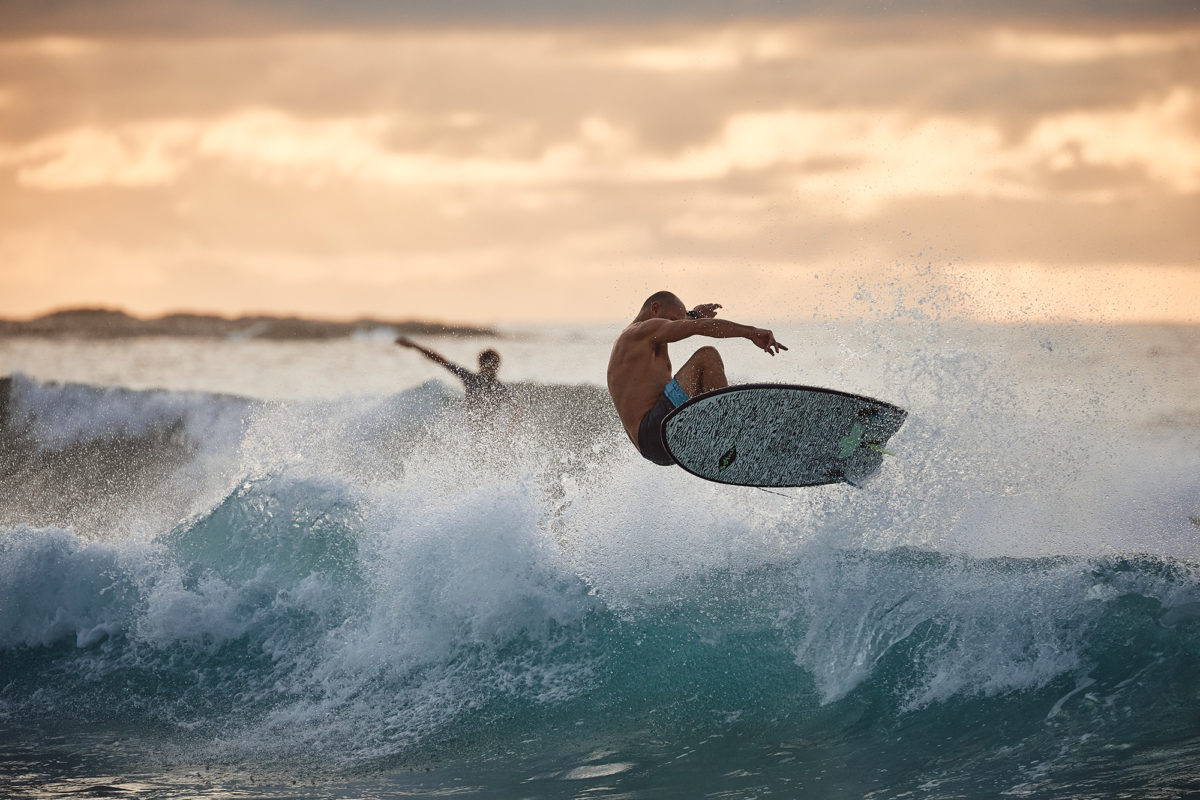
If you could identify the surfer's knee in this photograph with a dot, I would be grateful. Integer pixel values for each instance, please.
(711, 370)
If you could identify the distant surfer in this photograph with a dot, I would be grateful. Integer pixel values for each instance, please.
(639, 369)
(485, 391)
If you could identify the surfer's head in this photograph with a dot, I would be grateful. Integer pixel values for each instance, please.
(489, 361)
(665, 305)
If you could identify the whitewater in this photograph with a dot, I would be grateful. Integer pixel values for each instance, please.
(236, 568)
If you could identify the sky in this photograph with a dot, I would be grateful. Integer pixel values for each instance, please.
(533, 161)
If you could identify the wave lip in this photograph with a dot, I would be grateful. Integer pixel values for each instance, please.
(58, 415)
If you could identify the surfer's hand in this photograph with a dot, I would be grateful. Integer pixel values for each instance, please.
(766, 340)
(706, 310)
(404, 341)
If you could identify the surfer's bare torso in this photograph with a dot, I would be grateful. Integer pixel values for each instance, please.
(639, 366)
(638, 369)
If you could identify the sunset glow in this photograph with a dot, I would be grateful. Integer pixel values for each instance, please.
(561, 172)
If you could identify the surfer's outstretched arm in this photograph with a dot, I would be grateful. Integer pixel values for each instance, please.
(435, 357)
(667, 331)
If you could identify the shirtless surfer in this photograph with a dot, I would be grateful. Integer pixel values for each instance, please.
(639, 369)
(484, 390)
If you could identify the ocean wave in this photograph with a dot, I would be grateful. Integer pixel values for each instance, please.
(301, 612)
(386, 582)
(54, 416)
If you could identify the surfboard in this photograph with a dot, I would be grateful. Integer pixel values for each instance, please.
(776, 434)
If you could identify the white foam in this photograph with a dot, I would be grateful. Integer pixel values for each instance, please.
(59, 415)
(58, 587)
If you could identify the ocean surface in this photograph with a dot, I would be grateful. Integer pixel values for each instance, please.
(238, 569)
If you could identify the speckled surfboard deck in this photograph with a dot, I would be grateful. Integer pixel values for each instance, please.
(774, 434)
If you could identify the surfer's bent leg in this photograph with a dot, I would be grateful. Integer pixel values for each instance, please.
(703, 372)
(650, 440)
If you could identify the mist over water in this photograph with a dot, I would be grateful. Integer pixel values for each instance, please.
(232, 562)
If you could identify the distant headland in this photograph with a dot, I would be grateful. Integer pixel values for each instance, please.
(104, 323)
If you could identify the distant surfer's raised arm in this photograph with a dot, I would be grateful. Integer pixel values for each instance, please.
(435, 357)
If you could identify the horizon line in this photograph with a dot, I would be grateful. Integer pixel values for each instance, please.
(492, 326)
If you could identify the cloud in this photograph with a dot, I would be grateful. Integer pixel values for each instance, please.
(191, 18)
(366, 166)
(720, 50)
(137, 155)
(859, 159)
(1158, 136)
(1064, 48)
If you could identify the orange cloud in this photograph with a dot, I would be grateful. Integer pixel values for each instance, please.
(413, 171)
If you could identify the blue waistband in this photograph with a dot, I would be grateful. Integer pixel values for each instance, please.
(675, 393)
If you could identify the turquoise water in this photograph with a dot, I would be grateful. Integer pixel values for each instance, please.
(205, 594)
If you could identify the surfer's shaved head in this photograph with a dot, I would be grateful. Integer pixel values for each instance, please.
(663, 298)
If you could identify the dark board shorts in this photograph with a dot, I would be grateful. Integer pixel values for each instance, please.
(650, 439)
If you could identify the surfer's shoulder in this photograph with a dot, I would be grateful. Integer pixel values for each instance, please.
(643, 329)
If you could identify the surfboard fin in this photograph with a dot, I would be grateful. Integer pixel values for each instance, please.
(840, 477)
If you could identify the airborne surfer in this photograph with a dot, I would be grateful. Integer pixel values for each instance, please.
(639, 369)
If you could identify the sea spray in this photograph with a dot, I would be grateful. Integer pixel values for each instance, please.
(350, 589)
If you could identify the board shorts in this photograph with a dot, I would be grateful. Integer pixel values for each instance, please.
(650, 431)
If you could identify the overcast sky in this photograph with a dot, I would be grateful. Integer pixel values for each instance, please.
(517, 162)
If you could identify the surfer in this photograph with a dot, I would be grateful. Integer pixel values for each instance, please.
(485, 391)
(639, 369)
